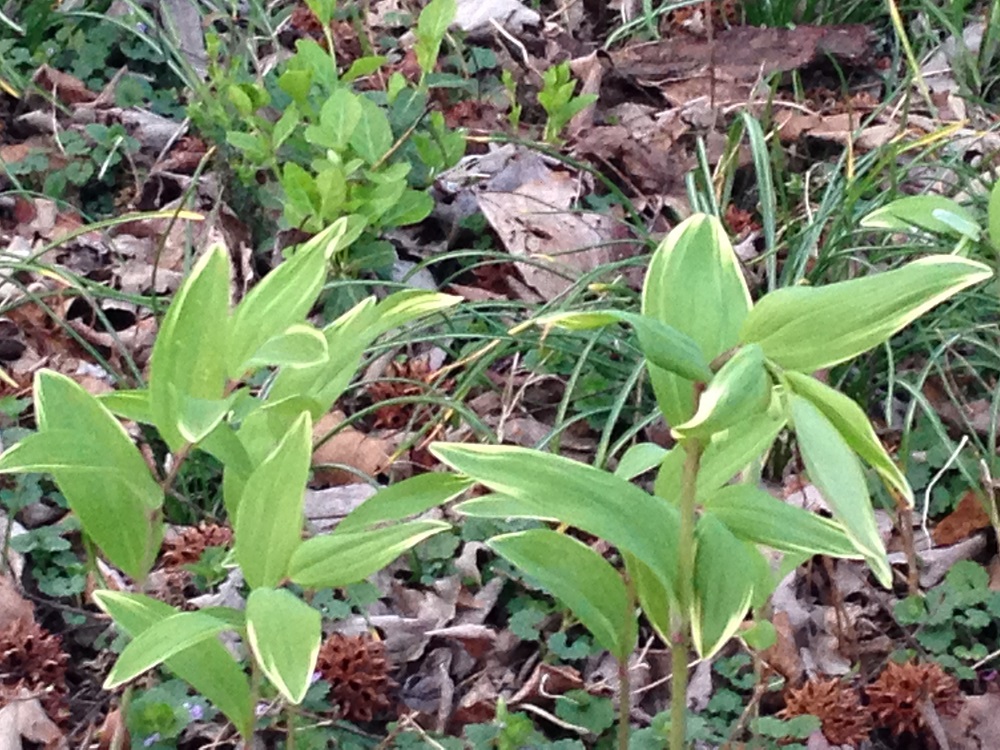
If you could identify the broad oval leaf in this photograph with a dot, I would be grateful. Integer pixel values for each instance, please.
(281, 299)
(809, 328)
(835, 470)
(740, 390)
(110, 490)
(727, 454)
(372, 138)
(755, 516)
(189, 356)
(298, 346)
(284, 634)
(854, 426)
(582, 496)
(131, 404)
(164, 639)
(268, 525)
(343, 558)
(347, 338)
(407, 498)
(338, 120)
(663, 346)
(639, 459)
(207, 666)
(723, 585)
(932, 213)
(695, 285)
(577, 575)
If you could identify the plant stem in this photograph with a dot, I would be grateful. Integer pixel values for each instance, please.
(681, 637)
(625, 679)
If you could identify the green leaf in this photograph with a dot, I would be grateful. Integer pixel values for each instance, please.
(268, 525)
(285, 126)
(740, 390)
(372, 139)
(347, 338)
(639, 459)
(407, 498)
(993, 217)
(110, 490)
(162, 640)
(189, 356)
(363, 66)
(338, 120)
(284, 635)
(206, 666)
(755, 516)
(835, 470)
(694, 284)
(199, 417)
(726, 455)
(578, 576)
(432, 25)
(854, 426)
(723, 585)
(282, 299)
(343, 558)
(932, 213)
(586, 498)
(665, 347)
(809, 328)
(128, 404)
(299, 346)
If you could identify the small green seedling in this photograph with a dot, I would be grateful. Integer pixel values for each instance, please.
(728, 376)
(197, 399)
(558, 100)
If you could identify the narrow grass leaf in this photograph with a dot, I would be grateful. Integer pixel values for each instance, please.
(284, 634)
(993, 217)
(756, 516)
(765, 188)
(854, 426)
(347, 557)
(578, 576)
(809, 328)
(835, 470)
(156, 644)
(268, 525)
(206, 666)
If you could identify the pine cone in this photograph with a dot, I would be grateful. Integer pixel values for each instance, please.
(836, 705)
(358, 673)
(897, 697)
(32, 662)
(191, 543)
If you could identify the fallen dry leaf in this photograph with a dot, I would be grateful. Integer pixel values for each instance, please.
(684, 68)
(348, 447)
(24, 718)
(968, 517)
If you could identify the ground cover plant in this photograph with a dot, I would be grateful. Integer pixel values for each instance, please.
(498, 374)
